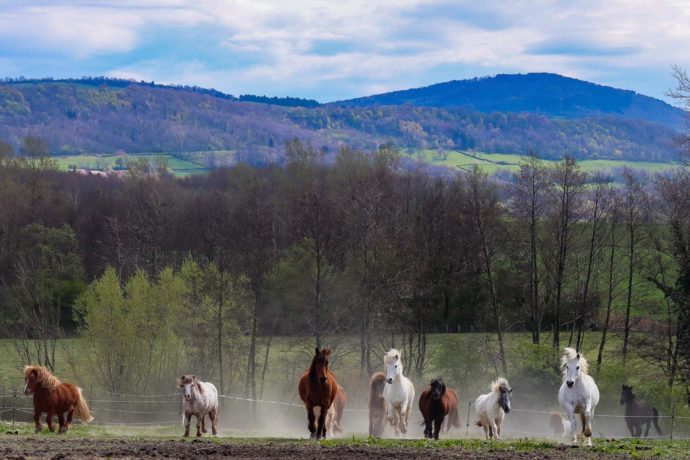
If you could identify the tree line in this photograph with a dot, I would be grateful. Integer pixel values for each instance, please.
(217, 265)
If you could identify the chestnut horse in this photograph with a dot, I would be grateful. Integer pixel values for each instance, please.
(318, 387)
(54, 398)
(434, 403)
(453, 417)
(377, 405)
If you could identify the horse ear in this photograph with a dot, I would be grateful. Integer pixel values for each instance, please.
(396, 357)
(578, 356)
(317, 351)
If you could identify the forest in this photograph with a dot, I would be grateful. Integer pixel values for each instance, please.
(362, 247)
(100, 115)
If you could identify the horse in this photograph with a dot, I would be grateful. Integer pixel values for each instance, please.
(453, 418)
(578, 393)
(335, 412)
(54, 397)
(318, 388)
(200, 399)
(492, 407)
(435, 404)
(377, 405)
(399, 393)
(559, 425)
(638, 413)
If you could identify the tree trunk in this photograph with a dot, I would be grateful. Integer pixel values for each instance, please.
(609, 301)
(628, 303)
(220, 332)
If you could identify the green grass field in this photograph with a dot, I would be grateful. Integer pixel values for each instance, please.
(497, 162)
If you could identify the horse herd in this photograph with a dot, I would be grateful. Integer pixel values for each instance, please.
(390, 401)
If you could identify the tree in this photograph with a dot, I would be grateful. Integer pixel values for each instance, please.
(528, 201)
(682, 94)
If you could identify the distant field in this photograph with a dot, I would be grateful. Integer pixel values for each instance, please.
(496, 162)
(188, 163)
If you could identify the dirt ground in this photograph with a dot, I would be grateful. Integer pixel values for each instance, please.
(23, 447)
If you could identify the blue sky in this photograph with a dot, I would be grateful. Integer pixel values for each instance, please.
(331, 50)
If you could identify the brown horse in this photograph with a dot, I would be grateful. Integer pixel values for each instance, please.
(335, 414)
(377, 405)
(53, 397)
(453, 418)
(318, 387)
(638, 413)
(434, 403)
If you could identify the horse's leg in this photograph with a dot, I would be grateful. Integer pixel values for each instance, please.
(649, 423)
(310, 421)
(573, 423)
(61, 422)
(68, 423)
(404, 416)
(437, 426)
(588, 427)
(49, 420)
(213, 415)
(321, 428)
(199, 421)
(37, 420)
(203, 424)
(187, 421)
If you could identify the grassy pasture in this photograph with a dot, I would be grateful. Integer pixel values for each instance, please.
(497, 162)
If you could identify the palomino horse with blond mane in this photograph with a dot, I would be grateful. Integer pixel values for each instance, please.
(578, 394)
(399, 393)
(318, 388)
(54, 398)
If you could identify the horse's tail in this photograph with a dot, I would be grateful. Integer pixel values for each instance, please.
(655, 419)
(81, 409)
(454, 418)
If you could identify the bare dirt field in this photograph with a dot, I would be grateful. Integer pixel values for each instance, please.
(27, 447)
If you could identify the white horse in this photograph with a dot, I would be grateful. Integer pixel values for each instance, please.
(578, 394)
(492, 407)
(398, 393)
(200, 399)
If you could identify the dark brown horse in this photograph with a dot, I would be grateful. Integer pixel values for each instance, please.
(377, 405)
(318, 387)
(54, 398)
(638, 413)
(434, 403)
(453, 418)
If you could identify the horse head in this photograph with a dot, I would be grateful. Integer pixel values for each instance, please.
(573, 366)
(319, 365)
(438, 388)
(394, 366)
(504, 396)
(31, 382)
(187, 383)
(627, 394)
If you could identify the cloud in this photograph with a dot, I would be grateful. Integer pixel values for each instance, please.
(329, 50)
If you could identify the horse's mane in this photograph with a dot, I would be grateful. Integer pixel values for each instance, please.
(43, 376)
(376, 379)
(392, 356)
(570, 354)
(500, 384)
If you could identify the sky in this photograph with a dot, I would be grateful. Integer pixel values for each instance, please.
(339, 49)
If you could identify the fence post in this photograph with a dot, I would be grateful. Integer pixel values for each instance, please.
(467, 426)
(673, 415)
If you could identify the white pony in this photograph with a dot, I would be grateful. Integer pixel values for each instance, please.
(398, 393)
(578, 394)
(200, 399)
(492, 407)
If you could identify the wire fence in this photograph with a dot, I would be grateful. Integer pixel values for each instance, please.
(158, 409)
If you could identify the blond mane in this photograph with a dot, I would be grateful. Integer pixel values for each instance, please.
(392, 356)
(568, 355)
(43, 376)
(500, 384)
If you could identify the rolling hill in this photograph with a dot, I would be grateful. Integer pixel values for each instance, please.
(565, 117)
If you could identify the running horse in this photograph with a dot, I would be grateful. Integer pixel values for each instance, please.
(54, 398)
(318, 388)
